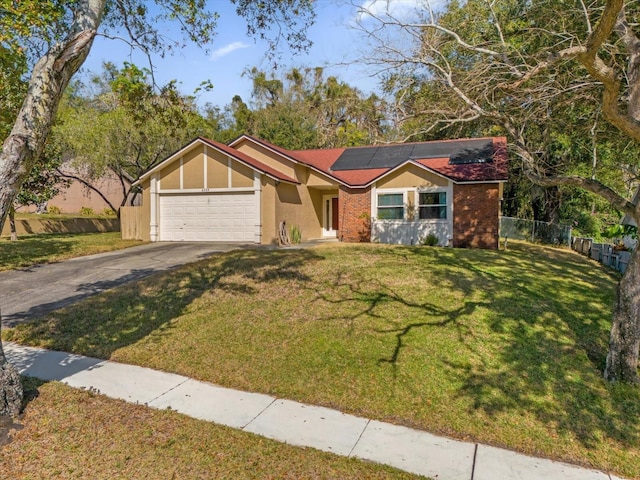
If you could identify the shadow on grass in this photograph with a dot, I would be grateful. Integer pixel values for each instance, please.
(548, 314)
(533, 330)
(372, 298)
(32, 249)
(554, 348)
(30, 386)
(102, 324)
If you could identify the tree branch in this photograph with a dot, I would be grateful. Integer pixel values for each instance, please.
(89, 186)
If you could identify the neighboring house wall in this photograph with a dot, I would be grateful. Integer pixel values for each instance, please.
(355, 214)
(76, 196)
(476, 215)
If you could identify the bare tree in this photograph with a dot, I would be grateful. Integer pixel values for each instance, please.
(518, 65)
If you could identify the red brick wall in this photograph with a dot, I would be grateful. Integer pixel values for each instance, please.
(476, 211)
(354, 206)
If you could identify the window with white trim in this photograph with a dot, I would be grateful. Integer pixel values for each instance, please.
(432, 205)
(390, 206)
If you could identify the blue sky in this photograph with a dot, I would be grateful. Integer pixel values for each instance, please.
(335, 46)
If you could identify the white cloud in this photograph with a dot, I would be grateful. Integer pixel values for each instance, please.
(227, 49)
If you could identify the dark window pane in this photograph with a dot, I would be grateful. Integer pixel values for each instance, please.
(433, 198)
(431, 213)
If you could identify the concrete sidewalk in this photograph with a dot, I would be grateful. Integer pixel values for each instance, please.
(294, 423)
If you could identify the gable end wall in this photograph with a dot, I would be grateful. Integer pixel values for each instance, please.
(476, 215)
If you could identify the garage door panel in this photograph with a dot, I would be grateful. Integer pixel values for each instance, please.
(220, 217)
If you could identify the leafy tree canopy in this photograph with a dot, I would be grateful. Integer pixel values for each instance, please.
(124, 126)
(547, 74)
(304, 109)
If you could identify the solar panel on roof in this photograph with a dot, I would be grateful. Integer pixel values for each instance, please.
(478, 153)
(390, 156)
(354, 159)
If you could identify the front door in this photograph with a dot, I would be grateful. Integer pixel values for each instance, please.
(330, 216)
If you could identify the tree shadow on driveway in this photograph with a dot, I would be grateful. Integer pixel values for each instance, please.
(82, 292)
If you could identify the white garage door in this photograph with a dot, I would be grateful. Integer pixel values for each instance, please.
(212, 218)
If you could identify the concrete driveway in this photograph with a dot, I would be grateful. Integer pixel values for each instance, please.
(37, 290)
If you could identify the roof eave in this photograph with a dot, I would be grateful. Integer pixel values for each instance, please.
(290, 181)
(263, 144)
(280, 180)
(426, 168)
(467, 182)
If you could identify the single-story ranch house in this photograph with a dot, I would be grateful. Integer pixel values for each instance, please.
(241, 192)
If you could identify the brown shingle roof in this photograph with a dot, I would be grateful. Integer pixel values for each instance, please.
(495, 171)
(323, 159)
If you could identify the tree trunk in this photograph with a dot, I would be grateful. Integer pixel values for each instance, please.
(49, 79)
(12, 224)
(10, 386)
(624, 343)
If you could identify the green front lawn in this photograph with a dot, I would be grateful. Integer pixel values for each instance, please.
(30, 250)
(504, 348)
(76, 434)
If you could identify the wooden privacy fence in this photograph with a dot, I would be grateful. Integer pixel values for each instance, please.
(134, 223)
(602, 252)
